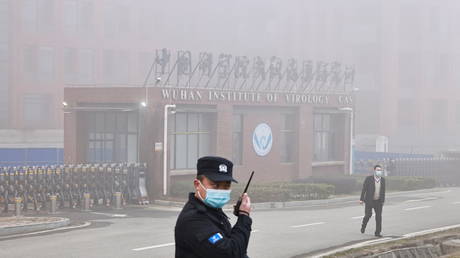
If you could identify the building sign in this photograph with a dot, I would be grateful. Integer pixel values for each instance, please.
(185, 69)
(262, 139)
(215, 96)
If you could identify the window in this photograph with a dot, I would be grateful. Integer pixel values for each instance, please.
(78, 16)
(145, 62)
(191, 138)
(86, 66)
(439, 113)
(325, 145)
(407, 115)
(30, 63)
(117, 19)
(85, 16)
(4, 85)
(78, 65)
(237, 139)
(288, 142)
(458, 112)
(112, 137)
(37, 111)
(444, 71)
(45, 15)
(39, 64)
(45, 64)
(70, 15)
(116, 66)
(409, 70)
(29, 15)
(70, 65)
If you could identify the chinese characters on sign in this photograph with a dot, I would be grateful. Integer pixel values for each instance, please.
(228, 72)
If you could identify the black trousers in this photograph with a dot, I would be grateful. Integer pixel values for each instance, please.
(377, 206)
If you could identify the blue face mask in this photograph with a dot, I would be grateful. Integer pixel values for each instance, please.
(215, 198)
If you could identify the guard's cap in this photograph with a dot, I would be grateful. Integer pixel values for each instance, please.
(217, 169)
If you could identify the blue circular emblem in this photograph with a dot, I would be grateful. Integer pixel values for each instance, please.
(262, 139)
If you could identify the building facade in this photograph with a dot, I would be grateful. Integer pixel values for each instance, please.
(283, 136)
(405, 53)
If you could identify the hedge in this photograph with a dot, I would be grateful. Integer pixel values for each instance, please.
(404, 183)
(342, 184)
(267, 192)
(308, 189)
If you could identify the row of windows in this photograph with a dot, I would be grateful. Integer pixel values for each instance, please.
(79, 66)
(113, 137)
(78, 16)
(192, 137)
(436, 70)
(409, 110)
(117, 67)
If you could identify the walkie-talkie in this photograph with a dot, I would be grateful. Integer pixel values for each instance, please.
(236, 208)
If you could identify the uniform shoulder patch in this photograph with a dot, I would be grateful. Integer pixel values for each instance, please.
(215, 238)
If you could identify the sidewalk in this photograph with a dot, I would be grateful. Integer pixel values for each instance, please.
(10, 226)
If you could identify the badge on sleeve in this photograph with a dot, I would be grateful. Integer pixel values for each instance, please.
(214, 238)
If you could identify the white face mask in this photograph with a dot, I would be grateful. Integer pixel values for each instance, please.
(378, 173)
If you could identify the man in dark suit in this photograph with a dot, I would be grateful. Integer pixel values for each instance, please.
(373, 195)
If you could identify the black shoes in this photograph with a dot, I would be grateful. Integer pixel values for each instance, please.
(378, 235)
(362, 230)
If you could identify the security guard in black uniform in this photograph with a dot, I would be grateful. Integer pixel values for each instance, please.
(202, 228)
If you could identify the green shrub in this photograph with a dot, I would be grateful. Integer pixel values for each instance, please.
(342, 184)
(181, 188)
(265, 192)
(402, 183)
(409, 183)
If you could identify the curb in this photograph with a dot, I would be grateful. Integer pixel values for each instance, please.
(22, 229)
(384, 240)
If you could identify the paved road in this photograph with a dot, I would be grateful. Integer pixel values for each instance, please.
(148, 232)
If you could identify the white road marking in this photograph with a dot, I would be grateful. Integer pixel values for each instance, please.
(153, 247)
(110, 214)
(119, 215)
(417, 208)
(456, 203)
(421, 200)
(47, 231)
(308, 225)
(255, 230)
(358, 217)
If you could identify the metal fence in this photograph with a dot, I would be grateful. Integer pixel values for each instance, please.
(446, 171)
(71, 185)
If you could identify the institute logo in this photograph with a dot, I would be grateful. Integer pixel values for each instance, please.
(262, 139)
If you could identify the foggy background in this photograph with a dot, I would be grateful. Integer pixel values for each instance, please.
(405, 55)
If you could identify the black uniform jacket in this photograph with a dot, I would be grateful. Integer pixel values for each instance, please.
(202, 231)
(367, 194)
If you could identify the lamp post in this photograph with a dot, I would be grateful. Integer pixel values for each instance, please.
(350, 161)
(165, 148)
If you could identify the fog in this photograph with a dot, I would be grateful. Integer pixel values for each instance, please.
(116, 100)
